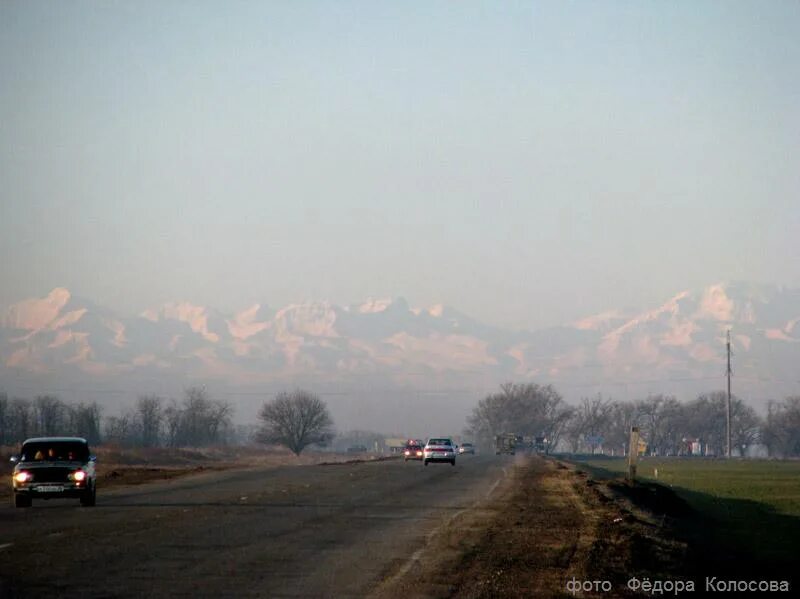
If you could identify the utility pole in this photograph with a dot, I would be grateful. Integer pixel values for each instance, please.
(728, 403)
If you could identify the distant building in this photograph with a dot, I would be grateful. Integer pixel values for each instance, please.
(394, 444)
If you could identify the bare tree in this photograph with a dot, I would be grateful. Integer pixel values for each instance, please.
(149, 417)
(22, 419)
(295, 420)
(523, 409)
(120, 430)
(660, 418)
(49, 415)
(85, 421)
(172, 418)
(193, 424)
(705, 420)
(199, 418)
(622, 417)
(782, 428)
(589, 422)
(219, 418)
(745, 425)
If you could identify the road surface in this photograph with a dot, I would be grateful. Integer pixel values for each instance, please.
(305, 531)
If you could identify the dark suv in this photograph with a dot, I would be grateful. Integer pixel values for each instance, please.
(49, 467)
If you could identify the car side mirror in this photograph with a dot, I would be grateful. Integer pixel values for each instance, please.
(92, 458)
(14, 459)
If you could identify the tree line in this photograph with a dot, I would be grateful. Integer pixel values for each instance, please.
(197, 420)
(669, 426)
(294, 420)
(299, 419)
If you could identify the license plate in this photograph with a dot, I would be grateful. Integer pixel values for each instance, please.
(50, 489)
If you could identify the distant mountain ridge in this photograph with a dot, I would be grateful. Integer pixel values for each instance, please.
(676, 347)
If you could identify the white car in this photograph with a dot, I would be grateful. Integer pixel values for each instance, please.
(439, 450)
(466, 448)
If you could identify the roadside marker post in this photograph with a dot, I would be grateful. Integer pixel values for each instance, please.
(633, 454)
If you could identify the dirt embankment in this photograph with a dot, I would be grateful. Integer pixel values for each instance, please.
(544, 525)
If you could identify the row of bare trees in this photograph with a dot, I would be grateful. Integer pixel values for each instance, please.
(294, 419)
(197, 420)
(47, 415)
(669, 426)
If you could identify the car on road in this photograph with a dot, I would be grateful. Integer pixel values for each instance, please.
(412, 451)
(466, 448)
(50, 467)
(439, 449)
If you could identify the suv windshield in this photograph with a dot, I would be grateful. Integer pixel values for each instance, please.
(55, 451)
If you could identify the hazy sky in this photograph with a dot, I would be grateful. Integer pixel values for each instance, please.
(526, 163)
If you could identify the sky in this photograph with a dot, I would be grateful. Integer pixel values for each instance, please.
(527, 163)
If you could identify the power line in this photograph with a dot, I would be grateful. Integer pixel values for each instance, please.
(622, 383)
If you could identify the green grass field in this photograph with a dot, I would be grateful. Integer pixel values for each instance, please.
(743, 507)
(770, 482)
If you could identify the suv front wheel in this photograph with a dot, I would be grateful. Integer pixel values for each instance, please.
(21, 500)
(89, 498)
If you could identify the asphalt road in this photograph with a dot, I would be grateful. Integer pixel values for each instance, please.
(306, 531)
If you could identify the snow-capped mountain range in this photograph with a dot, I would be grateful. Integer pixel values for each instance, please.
(677, 347)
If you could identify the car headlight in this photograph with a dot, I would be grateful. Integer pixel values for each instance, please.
(23, 477)
(78, 475)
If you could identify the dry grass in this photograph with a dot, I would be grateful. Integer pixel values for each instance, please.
(545, 524)
(522, 542)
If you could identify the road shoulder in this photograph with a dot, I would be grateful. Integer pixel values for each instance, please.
(545, 525)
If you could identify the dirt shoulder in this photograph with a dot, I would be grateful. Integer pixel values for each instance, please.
(544, 525)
